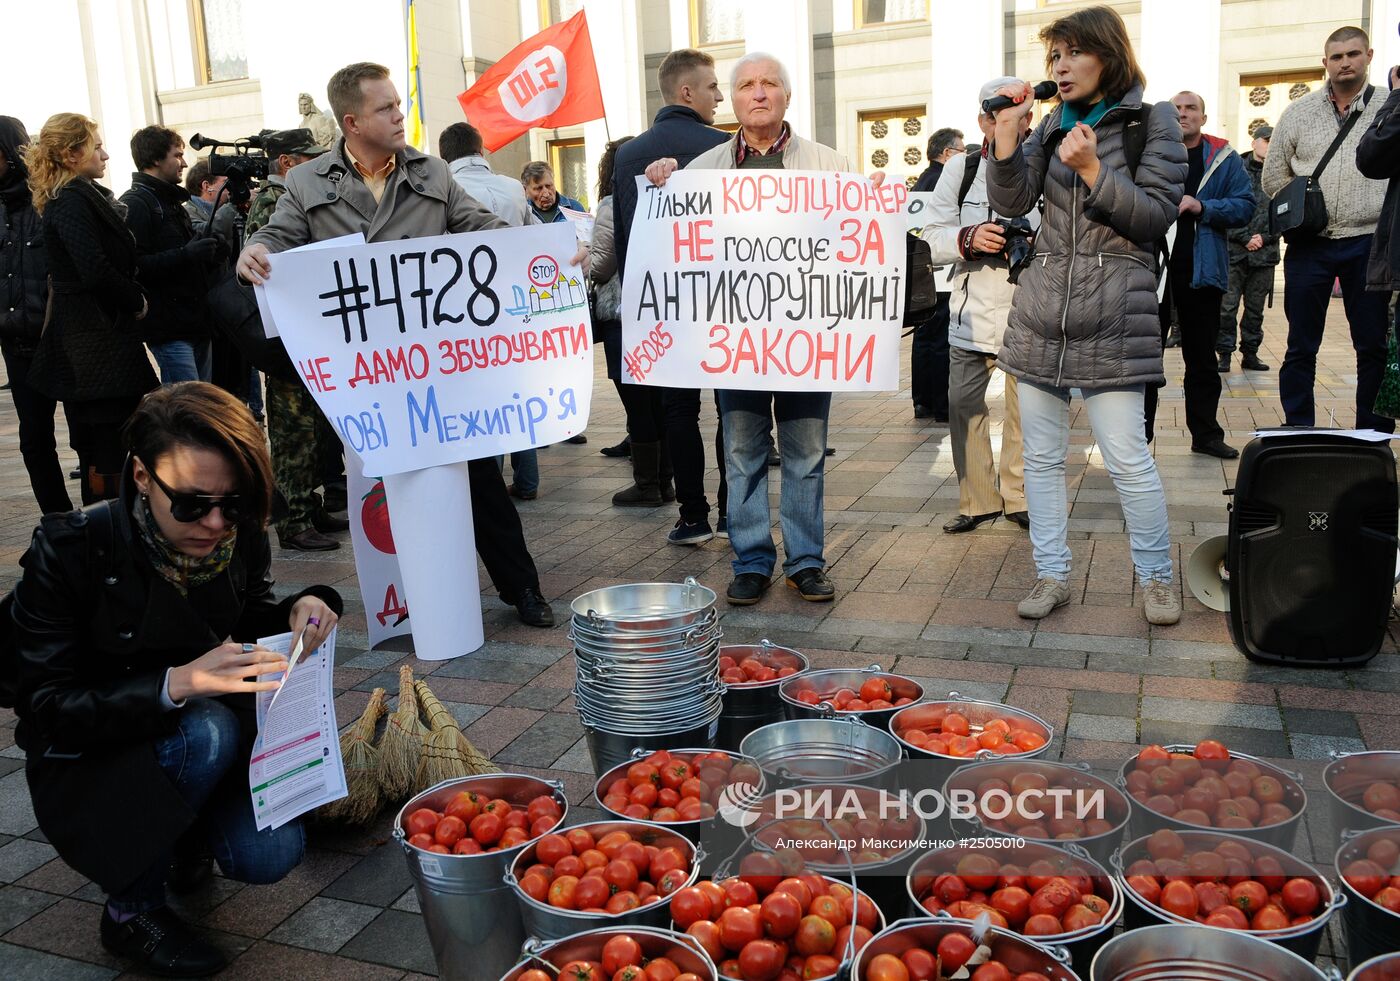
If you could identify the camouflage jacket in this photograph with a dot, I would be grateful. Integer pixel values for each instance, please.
(264, 203)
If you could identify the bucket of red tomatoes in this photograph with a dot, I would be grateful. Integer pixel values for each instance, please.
(683, 789)
(1383, 968)
(604, 873)
(844, 830)
(911, 949)
(459, 839)
(1363, 789)
(1015, 797)
(614, 954)
(776, 916)
(1178, 952)
(1051, 895)
(1207, 785)
(751, 674)
(870, 694)
(957, 731)
(1226, 882)
(1369, 864)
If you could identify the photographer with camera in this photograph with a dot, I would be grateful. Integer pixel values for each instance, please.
(174, 266)
(986, 252)
(1111, 168)
(1218, 197)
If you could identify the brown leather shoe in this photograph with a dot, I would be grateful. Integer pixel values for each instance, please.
(309, 540)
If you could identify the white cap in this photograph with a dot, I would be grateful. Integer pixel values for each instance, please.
(990, 89)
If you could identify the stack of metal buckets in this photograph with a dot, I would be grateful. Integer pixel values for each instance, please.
(648, 668)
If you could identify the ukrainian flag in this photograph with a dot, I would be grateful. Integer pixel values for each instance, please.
(414, 127)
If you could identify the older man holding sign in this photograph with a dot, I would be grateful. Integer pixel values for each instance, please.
(395, 338)
(776, 284)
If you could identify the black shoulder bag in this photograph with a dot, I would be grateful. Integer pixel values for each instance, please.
(1299, 211)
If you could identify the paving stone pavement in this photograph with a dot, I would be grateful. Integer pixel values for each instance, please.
(935, 607)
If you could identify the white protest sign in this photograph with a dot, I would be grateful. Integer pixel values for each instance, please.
(270, 325)
(916, 211)
(429, 351)
(376, 559)
(765, 280)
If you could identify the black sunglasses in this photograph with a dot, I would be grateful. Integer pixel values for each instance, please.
(188, 508)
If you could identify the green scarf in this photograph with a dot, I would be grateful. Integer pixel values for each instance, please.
(1074, 112)
(175, 567)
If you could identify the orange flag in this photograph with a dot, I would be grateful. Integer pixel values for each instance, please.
(548, 81)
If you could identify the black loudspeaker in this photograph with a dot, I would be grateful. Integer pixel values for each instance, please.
(1312, 549)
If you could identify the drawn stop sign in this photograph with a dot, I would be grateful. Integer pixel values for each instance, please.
(537, 86)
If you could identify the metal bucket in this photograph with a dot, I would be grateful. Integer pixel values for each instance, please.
(687, 954)
(1178, 952)
(609, 749)
(712, 829)
(756, 703)
(1346, 779)
(1082, 945)
(1302, 940)
(473, 921)
(832, 680)
(1100, 847)
(1370, 928)
(1144, 821)
(627, 717)
(643, 607)
(1383, 968)
(883, 880)
(550, 923)
(977, 713)
(809, 751)
(659, 643)
(1019, 954)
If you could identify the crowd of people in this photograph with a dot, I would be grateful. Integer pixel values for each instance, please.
(1064, 254)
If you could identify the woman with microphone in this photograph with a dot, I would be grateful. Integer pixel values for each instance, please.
(1085, 315)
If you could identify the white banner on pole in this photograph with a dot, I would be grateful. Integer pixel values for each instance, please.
(376, 558)
(431, 351)
(765, 280)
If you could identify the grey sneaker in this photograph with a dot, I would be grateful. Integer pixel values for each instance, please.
(1160, 604)
(1044, 596)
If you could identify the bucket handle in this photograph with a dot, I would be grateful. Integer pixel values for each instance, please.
(1116, 860)
(1058, 952)
(1077, 850)
(825, 710)
(1339, 897)
(875, 666)
(1332, 973)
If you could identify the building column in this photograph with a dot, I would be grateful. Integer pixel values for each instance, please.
(965, 52)
(783, 28)
(1385, 39)
(615, 30)
(1179, 50)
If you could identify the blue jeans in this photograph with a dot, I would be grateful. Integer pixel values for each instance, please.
(206, 761)
(1309, 268)
(1116, 417)
(182, 361)
(524, 469)
(747, 418)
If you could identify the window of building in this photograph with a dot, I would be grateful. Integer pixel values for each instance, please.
(894, 140)
(220, 45)
(566, 158)
(558, 11)
(716, 21)
(873, 12)
(1263, 97)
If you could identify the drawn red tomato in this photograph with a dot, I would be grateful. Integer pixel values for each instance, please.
(374, 518)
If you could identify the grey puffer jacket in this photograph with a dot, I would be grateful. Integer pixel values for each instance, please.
(1085, 310)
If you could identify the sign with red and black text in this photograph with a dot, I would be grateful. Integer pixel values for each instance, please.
(777, 280)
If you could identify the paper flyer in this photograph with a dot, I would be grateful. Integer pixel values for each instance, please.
(296, 765)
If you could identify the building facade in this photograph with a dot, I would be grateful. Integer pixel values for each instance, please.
(871, 77)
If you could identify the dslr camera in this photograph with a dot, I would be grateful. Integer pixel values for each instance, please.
(1019, 237)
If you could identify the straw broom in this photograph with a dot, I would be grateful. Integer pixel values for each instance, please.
(361, 759)
(447, 752)
(403, 742)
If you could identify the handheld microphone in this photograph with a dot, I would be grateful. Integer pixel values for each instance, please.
(1043, 91)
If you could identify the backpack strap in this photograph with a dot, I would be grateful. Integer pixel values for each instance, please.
(1135, 137)
(974, 160)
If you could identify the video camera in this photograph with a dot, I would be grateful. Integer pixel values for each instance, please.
(248, 161)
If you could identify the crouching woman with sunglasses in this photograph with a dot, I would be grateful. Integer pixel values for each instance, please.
(134, 625)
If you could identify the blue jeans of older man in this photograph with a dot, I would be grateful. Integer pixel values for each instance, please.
(747, 418)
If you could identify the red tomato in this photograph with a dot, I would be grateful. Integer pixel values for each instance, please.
(689, 906)
(1012, 902)
(1269, 871)
(857, 936)
(467, 846)
(762, 870)
(465, 805)
(1300, 896)
(737, 892)
(954, 950)
(1079, 917)
(1270, 918)
(781, 913)
(761, 960)
(876, 688)
(581, 971)
(487, 828)
(1365, 876)
(619, 952)
(621, 875)
(421, 840)
(1213, 753)
(1381, 796)
(449, 831)
(919, 963)
(820, 966)
(1179, 898)
(1041, 925)
(622, 902)
(422, 821)
(886, 967)
(1165, 843)
(580, 839)
(535, 886)
(591, 893)
(979, 871)
(815, 935)
(738, 926)
(992, 971)
(1388, 898)
(670, 882)
(535, 974)
(662, 969)
(706, 934)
